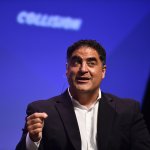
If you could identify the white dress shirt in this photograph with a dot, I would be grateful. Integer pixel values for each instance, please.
(87, 122)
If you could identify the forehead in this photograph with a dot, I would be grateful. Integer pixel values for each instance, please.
(85, 52)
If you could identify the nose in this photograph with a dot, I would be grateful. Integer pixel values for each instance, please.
(84, 67)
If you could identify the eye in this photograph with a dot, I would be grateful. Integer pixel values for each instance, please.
(75, 61)
(91, 63)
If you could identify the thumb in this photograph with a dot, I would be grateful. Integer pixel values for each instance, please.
(45, 115)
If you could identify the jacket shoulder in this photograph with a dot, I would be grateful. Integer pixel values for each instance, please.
(42, 105)
(122, 104)
(117, 99)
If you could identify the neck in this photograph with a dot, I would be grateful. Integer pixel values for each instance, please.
(86, 98)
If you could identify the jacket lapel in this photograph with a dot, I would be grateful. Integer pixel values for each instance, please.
(106, 115)
(67, 114)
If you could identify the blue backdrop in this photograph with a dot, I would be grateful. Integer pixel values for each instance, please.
(34, 36)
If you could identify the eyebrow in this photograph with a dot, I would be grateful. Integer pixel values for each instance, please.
(75, 58)
(91, 59)
(78, 57)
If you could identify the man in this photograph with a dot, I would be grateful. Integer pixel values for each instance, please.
(83, 117)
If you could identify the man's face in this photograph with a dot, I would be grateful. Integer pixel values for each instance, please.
(85, 70)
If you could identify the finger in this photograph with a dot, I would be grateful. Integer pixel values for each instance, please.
(36, 131)
(34, 121)
(37, 115)
(35, 126)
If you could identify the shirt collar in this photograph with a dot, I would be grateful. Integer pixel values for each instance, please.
(78, 105)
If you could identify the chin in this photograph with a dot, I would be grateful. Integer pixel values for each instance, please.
(82, 89)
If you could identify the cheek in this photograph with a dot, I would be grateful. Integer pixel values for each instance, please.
(70, 73)
(97, 74)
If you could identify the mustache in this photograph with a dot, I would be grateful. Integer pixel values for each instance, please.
(79, 76)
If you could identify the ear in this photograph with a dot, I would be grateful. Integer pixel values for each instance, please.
(67, 69)
(103, 71)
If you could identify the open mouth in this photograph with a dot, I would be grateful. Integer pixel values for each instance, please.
(82, 79)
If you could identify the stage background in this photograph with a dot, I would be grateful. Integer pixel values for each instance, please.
(34, 36)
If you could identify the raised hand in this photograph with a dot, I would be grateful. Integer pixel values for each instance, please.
(35, 123)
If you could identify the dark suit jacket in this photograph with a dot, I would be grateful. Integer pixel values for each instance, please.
(120, 125)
